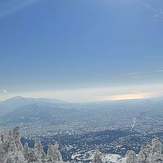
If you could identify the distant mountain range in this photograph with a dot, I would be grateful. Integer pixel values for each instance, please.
(142, 115)
(36, 111)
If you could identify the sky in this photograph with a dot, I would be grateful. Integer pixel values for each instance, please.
(81, 50)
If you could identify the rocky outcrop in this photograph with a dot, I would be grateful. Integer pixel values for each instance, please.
(150, 153)
(97, 157)
(12, 151)
(131, 157)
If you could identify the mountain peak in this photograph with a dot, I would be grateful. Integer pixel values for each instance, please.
(31, 100)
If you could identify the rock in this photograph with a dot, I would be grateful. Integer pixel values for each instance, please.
(150, 153)
(39, 151)
(16, 136)
(12, 151)
(54, 153)
(97, 157)
(156, 146)
(131, 157)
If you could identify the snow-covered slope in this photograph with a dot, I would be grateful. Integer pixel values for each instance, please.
(12, 151)
(113, 158)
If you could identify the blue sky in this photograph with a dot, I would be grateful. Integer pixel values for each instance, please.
(57, 45)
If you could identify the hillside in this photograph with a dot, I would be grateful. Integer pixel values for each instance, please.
(141, 115)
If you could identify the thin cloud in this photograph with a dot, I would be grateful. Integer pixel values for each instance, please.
(3, 91)
(8, 8)
(143, 74)
(160, 71)
(157, 13)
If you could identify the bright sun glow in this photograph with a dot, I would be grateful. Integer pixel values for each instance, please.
(125, 97)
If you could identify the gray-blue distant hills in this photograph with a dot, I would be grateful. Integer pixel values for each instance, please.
(141, 115)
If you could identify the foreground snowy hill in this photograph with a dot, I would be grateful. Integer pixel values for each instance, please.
(12, 151)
